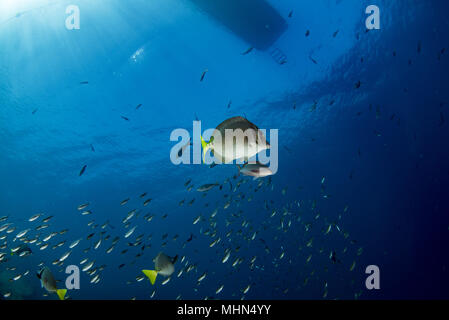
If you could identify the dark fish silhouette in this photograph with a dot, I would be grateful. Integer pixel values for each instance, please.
(203, 75)
(333, 257)
(82, 170)
(84, 82)
(247, 51)
(138, 106)
(125, 118)
(181, 151)
(190, 238)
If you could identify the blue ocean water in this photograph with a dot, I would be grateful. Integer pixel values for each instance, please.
(366, 111)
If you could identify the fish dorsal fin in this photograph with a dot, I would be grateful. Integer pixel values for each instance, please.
(229, 122)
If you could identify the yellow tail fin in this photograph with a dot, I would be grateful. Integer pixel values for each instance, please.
(61, 293)
(205, 146)
(151, 274)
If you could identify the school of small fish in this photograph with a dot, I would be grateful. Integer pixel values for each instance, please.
(221, 233)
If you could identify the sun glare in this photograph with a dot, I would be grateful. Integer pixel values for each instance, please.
(11, 8)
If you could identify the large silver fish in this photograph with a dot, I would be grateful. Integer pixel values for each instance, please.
(49, 283)
(244, 138)
(163, 265)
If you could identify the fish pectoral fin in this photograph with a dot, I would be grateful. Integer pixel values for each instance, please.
(151, 274)
(61, 293)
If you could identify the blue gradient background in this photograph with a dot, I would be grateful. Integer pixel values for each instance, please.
(397, 197)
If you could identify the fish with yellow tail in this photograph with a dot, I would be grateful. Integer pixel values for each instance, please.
(235, 138)
(49, 283)
(163, 265)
